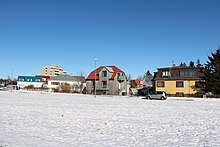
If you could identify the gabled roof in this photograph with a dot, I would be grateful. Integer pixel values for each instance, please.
(112, 69)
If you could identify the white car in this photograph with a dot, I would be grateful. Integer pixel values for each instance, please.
(160, 95)
(2, 87)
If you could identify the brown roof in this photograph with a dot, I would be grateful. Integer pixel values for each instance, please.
(191, 73)
(114, 69)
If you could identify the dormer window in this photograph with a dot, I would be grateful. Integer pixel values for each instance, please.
(21, 79)
(165, 74)
(188, 73)
(29, 80)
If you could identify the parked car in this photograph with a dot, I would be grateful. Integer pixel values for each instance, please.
(160, 95)
(2, 87)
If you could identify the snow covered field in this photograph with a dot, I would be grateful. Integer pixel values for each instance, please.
(53, 120)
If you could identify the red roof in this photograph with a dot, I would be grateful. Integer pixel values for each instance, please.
(138, 82)
(115, 69)
(45, 78)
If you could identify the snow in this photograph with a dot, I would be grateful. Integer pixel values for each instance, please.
(49, 119)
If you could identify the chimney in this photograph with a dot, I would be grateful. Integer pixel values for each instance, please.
(174, 65)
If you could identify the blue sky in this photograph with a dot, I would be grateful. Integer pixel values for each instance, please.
(135, 35)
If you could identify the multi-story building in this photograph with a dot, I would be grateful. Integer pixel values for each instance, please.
(107, 80)
(179, 80)
(53, 70)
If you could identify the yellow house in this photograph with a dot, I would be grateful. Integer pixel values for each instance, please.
(179, 80)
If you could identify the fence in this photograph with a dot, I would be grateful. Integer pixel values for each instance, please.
(195, 95)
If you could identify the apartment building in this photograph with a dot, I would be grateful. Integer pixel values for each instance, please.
(108, 80)
(52, 70)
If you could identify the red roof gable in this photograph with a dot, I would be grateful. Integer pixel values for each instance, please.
(138, 82)
(115, 69)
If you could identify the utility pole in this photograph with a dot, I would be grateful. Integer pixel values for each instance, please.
(95, 77)
(12, 70)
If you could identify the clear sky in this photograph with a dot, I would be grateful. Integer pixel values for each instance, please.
(135, 35)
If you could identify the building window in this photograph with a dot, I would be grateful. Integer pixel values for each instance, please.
(160, 84)
(179, 84)
(21, 79)
(188, 73)
(104, 84)
(93, 84)
(55, 83)
(104, 73)
(165, 74)
(29, 80)
(199, 84)
(38, 80)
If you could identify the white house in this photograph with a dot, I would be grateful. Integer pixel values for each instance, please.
(77, 83)
(24, 81)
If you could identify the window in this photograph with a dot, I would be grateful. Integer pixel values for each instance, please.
(179, 84)
(188, 73)
(21, 79)
(55, 83)
(165, 74)
(199, 84)
(160, 84)
(104, 84)
(93, 84)
(104, 73)
(38, 80)
(29, 80)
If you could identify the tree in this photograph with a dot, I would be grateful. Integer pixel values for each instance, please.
(212, 73)
(198, 64)
(65, 88)
(191, 64)
(129, 77)
(148, 73)
(182, 64)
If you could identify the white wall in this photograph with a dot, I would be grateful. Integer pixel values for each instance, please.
(72, 83)
(23, 84)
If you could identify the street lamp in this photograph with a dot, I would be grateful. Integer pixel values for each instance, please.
(95, 77)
